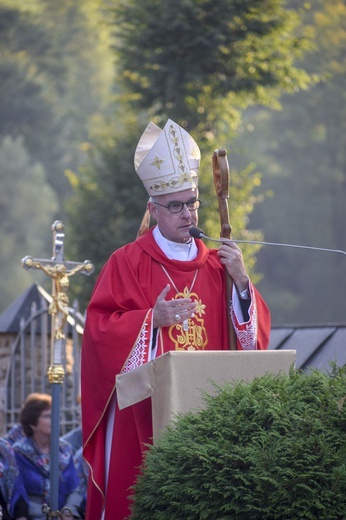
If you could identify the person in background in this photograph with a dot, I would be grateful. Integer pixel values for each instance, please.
(33, 460)
(13, 499)
(83, 475)
(14, 434)
(74, 438)
(164, 291)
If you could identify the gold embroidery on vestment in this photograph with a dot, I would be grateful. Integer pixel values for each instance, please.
(195, 337)
(157, 162)
(184, 174)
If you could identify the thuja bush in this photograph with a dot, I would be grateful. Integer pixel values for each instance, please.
(274, 448)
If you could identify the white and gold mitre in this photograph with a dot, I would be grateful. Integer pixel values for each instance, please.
(167, 161)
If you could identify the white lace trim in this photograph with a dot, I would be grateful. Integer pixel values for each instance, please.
(138, 356)
(247, 333)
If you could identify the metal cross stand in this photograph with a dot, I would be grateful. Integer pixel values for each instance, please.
(60, 271)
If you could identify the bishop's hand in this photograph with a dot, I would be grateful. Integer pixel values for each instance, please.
(231, 257)
(168, 312)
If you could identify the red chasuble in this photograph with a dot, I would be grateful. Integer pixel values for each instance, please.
(117, 338)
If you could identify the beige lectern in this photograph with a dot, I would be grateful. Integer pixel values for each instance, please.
(177, 380)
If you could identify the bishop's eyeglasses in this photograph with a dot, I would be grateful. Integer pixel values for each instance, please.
(177, 206)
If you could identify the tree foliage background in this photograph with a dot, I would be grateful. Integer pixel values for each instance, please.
(262, 78)
(302, 150)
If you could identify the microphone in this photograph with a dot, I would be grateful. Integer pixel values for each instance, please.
(198, 233)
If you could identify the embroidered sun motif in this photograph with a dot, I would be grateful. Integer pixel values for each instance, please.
(157, 162)
(200, 308)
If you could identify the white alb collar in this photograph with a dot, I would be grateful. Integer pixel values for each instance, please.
(175, 250)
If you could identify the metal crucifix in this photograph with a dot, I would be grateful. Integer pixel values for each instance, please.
(59, 271)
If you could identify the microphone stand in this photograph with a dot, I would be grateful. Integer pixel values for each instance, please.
(198, 233)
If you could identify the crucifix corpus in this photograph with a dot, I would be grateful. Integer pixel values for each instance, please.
(60, 272)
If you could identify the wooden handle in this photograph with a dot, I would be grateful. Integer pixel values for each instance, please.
(221, 183)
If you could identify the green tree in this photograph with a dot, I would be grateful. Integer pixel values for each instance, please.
(201, 63)
(25, 110)
(55, 80)
(300, 151)
(56, 72)
(188, 57)
(26, 202)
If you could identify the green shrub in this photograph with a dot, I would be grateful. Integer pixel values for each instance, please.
(274, 448)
